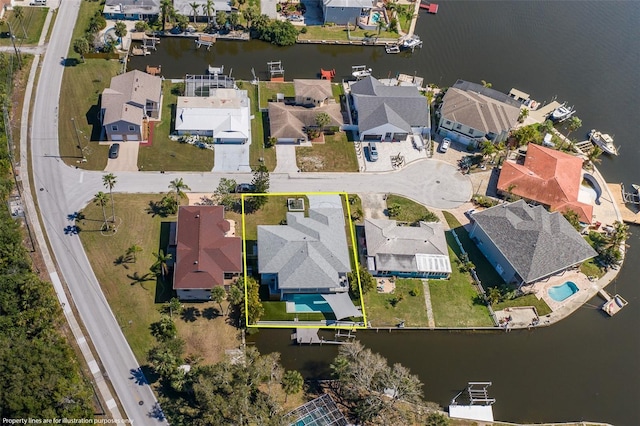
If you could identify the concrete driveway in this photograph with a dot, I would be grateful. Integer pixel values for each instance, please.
(127, 160)
(386, 150)
(231, 158)
(286, 159)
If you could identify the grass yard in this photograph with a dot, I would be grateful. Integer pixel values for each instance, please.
(318, 32)
(82, 85)
(338, 90)
(455, 301)
(26, 30)
(528, 300)
(257, 149)
(337, 154)
(411, 309)
(268, 91)
(272, 213)
(167, 154)
(136, 297)
(276, 311)
(410, 211)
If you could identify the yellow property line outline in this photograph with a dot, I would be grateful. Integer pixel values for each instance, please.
(354, 252)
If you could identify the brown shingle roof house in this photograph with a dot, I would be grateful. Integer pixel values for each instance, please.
(208, 252)
(549, 177)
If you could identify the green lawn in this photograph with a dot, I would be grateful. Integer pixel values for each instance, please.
(276, 311)
(336, 154)
(455, 301)
(131, 298)
(338, 90)
(272, 213)
(410, 211)
(31, 24)
(167, 154)
(257, 149)
(411, 309)
(269, 90)
(528, 300)
(318, 32)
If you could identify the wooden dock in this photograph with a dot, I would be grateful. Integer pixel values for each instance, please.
(628, 203)
(310, 336)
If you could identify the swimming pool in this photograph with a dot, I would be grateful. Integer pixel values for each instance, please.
(309, 303)
(564, 291)
(375, 18)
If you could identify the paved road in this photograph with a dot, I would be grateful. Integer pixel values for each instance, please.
(61, 191)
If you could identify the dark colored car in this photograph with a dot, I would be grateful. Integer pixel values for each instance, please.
(245, 187)
(114, 150)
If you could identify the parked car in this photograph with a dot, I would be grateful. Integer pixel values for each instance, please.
(373, 152)
(444, 145)
(295, 18)
(114, 150)
(469, 212)
(245, 187)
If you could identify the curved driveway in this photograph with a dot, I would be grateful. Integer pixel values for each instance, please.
(63, 190)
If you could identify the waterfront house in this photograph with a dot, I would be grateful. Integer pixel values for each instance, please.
(128, 104)
(406, 251)
(526, 244)
(388, 113)
(471, 113)
(183, 7)
(132, 10)
(289, 122)
(548, 177)
(343, 12)
(224, 115)
(207, 252)
(309, 255)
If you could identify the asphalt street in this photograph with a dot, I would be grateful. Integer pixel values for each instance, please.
(62, 190)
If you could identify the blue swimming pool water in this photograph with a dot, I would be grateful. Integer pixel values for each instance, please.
(375, 18)
(564, 291)
(309, 303)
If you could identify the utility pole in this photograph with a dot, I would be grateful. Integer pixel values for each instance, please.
(75, 128)
(13, 42)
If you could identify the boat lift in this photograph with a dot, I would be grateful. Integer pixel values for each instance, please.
(473, 403)
(276, 72)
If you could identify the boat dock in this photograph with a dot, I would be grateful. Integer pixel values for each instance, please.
(542, 113)
(205, 40)
(429, 7)
(628, 202)
(612, 305)
(310, 336)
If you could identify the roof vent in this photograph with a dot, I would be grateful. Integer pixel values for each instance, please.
(195, 262)
(197, 216)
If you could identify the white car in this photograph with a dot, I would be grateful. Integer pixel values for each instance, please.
(468, 213)
(444, 145)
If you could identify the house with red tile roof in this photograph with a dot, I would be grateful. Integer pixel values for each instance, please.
(208, 254)
(548, 177)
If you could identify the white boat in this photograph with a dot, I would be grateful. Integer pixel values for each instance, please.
(412, 42)
(636, 187)
(604, 141)
(562, 113)
(392, 49)
(216, 70)
(360, 71)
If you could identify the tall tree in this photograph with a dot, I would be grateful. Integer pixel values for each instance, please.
(250, 14)
(593, 156)
(164, 329)
(221, 18)
(322, 119)
(261, 179)
(208, 10)
(160, 264)
(175, 306)
(179, 187)
(81, 47)
(109, 181)
(101, 200)
(218, 295)
(252, 309)
(166, 8)
(574, 124)
(194, 10)
(292, 383)
(133, 251)
(235, 297)
(120, 31)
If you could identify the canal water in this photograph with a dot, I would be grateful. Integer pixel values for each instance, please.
(585, 53)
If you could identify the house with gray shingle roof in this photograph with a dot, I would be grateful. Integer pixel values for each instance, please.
(388, 113)
(526, 244)
(343, 12)
(312, 92)
(406, 251)
(128, 103)
(309, 256)
(471, 112)
(132, 10)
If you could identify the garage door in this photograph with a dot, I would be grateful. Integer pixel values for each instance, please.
(117, 138)
(132, 137)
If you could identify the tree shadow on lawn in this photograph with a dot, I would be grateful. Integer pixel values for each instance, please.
(190, 314)
(164, 285)
(211, 313)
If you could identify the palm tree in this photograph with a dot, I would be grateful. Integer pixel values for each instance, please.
(593, 157)
(619, 235)
(194, 10)
(175, 305)
(292, 383)
(109, 181)
(574, 124)
(179, 186)
(218, 295)
(208, 10)
(161, 262)
(18, 13)
(133, 250)
(322, 119)
(120, 30)
(81, 47)
(101, 200)
(166, 7)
